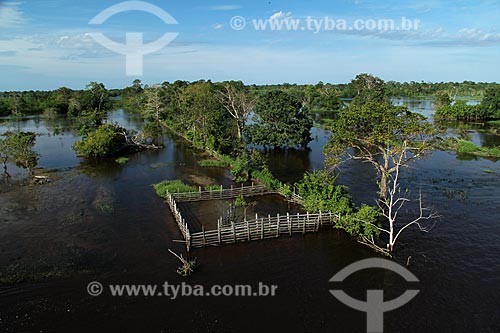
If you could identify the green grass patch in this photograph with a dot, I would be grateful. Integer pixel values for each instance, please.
(172, 186)
(494, 122)
(211, 188)
(467, 147)
(213, 163)
(122, 160)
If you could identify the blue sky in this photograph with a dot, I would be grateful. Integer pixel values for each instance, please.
(45, 44)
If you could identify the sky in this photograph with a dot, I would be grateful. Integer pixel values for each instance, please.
(46, 44)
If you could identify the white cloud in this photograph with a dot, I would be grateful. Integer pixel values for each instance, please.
(11, 15)
(218, 26)
(477, 35)
(281, 15)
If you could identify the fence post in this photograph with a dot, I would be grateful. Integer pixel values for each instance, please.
(248, 231)
(218, 231)
(234, 232)
(204, 239)
(277, 226)
(289, 223)
(261, 228)
(221, 191)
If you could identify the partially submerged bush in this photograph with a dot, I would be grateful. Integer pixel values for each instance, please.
(122, 160)
(213, 163)
(320, 193)
(107, 140)
(172, 186)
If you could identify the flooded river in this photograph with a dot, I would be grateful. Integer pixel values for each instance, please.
(103, 222)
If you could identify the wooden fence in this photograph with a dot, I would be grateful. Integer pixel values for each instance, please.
(181, 223)
(221, 193)
(261, 228)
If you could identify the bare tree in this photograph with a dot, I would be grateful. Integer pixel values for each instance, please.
(238, 103)
(154, 106)
(391, 205)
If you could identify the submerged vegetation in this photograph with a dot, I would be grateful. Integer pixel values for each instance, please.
(213, 163)
(17, 148)
(488, 109)
(467, 147)
(172, 186)
(232, 124)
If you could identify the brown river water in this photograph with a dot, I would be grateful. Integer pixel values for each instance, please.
(103, 222)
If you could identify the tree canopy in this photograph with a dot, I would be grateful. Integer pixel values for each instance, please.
(280, 121)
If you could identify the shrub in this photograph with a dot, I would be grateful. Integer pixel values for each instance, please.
(172, 186)
(107, 140)
(122, 160)
(466, 147)
(265, 176)
(213, 163)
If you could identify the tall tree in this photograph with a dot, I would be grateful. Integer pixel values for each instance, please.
(5, 154)
(376, 132)
(368, 88)
(21, 146)
(442, 99)
(281, 121)
(491, 103)
(154, 104)
(237, 102)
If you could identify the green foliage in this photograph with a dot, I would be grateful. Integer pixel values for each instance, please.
(172, 186)
(17, 148)
(368, 88)
(211, 188)
(90, 107)
(280, 121)
(460, 110)
(266, 177)
(467, 147)
(490, 105)
(5, 152)
(107, 140)
(362, 223)
(187, 268)
(320, 98)
(442, 100)
(240, 201)
(380, 134)
(424, 89)
(122, 160)
(194, 112)
(320, 193)
(213, 163)
(240, 168)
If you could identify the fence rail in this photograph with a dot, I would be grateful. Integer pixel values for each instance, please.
(221, 193)
(181, 223)
(255, 229)
(262, 228)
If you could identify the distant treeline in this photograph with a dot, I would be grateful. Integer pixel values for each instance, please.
(60, 101)
(488, 109)
(318, 97)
